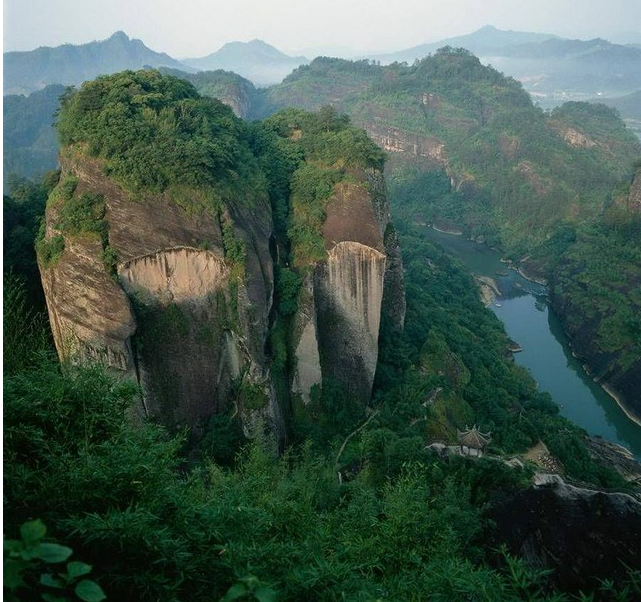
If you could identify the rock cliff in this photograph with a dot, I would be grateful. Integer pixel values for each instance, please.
(174, 315)
(159, 251)
(338, 319)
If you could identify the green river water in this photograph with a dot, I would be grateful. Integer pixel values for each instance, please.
(530, 322)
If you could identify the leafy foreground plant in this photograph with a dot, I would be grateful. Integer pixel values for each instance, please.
(250, 588)
(31, 570)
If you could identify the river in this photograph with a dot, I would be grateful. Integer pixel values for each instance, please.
(528, 320)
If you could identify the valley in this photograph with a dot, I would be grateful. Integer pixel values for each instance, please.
(277, 343)
(545, 351)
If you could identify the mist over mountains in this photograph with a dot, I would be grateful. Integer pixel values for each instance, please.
(259, 62)
(551, 68)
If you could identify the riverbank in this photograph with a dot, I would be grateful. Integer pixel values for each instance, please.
(546, 350)
(612, 393)
(530, 271)
(447, 230)
(488, 289)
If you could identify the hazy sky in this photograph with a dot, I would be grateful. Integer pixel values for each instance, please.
(191, 28)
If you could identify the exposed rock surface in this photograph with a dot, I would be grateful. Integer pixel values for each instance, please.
(175, 317)
(337, 324)
(239, 100)
(575, 138)
(348, 293)
(617, 457)
(178, 317)
(395, 140)
(90, 315)
(582, 534)
(488, 289)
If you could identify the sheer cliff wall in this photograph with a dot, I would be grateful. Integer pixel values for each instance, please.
(177, 315)
(338, 320)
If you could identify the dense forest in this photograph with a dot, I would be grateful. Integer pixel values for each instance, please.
(355, 507)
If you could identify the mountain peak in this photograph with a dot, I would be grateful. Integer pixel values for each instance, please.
(119, 35)
(256, 60)
(70, 65)
(258, 42)
(254, 45)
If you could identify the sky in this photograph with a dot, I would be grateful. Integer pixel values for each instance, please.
(194, 28)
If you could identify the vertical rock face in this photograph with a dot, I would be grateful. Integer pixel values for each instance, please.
(348, 294)
(90, 315)
(337, 325)
(174, 315)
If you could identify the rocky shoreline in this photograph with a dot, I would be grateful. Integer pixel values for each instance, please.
(488, 289)
(447, 230)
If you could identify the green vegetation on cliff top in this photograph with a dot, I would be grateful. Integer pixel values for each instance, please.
(156, 133)
(320, 150)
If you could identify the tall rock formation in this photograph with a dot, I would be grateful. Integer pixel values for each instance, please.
(158, 252)
(338, 320)
(174, 315)
(155, 257)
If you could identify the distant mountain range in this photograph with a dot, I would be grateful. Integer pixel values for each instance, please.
(259, 62)
(552, 69)
(25, 72)
(487, 41)
(629, 106)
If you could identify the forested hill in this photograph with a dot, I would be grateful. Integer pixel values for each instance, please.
(228, 87)
(32, 70)
(521, 171)
(546, 64)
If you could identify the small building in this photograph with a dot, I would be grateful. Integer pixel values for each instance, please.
(472, 441)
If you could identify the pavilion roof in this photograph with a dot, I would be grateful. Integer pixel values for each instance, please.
(473, 437)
